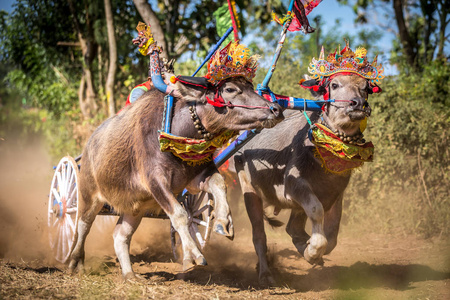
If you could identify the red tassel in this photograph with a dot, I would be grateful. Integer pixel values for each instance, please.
(316, 88)
(376, 89)
(214, 103)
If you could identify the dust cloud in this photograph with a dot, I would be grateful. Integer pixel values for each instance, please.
(25, 178)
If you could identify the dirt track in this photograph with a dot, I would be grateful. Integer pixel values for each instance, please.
(363, 266)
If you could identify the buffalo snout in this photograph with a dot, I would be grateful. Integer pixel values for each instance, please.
(275, 108)
(358, 103)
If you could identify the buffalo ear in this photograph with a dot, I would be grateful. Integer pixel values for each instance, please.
(191, 88)
(314, 86)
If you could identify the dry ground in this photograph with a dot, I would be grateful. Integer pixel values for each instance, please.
(364, 265)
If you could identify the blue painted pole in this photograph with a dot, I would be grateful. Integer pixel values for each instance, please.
(168, 117)
(302, 104)
(213, 50)
(229, 151)
(237, 144)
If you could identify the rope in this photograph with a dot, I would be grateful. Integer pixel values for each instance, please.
(306, 115)
(216, 103)
(339, 101)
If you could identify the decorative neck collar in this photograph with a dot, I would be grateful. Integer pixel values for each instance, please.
(336, 155)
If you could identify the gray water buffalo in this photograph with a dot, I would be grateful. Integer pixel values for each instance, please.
(123, 166)
(281, 168)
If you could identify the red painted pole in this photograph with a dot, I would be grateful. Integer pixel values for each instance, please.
(233, 21)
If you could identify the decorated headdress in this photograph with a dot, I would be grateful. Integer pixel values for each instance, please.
(145, 37)
(231, 61)
(346, 61)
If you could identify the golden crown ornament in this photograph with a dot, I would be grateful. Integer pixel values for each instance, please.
(232, 61)
(345, 60)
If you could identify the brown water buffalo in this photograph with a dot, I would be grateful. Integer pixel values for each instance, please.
(123, 166)
(279, 168)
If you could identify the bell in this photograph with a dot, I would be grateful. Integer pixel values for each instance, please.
(197, 126)
(199, 132)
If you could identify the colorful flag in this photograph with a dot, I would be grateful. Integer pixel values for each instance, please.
(301, 9)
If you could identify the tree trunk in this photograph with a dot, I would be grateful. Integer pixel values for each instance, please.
(408, 47)
(428, 8)
(443, 9)
(109, 88)
(149, 16)
(86, 97)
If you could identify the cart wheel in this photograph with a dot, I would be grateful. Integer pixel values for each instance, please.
(200, 213)
(63, 208)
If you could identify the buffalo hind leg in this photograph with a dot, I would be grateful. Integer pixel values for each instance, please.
(123, 232)
(85, 219)
(332, 219)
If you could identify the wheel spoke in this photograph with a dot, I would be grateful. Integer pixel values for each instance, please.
(68, 177)
(199, 222)
(56, 222)
(59, 244)
(201, 210)
(70, 222)
(72, 190)
(198, 235)
(72, 210)
(64, 179)
(55, 193)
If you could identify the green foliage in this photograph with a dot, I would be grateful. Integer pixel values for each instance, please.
(406, 187)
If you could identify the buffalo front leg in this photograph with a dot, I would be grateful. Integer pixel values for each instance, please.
(296, 229)
(179, 218)
(255, 211)
(86, 217)
(123, 232)
(317, 245)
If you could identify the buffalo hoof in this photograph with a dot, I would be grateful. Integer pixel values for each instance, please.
(189, 264)
(201, 261)
(267, 281)
(73, 267)
(130, 276)
(222, 229)
(315, 250)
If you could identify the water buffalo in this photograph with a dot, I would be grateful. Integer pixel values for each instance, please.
(123, 166)
(280, 168)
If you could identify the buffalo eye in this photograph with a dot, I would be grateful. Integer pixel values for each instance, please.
(230, 90)
(334, 86)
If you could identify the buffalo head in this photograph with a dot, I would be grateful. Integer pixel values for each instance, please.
(230, 105)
